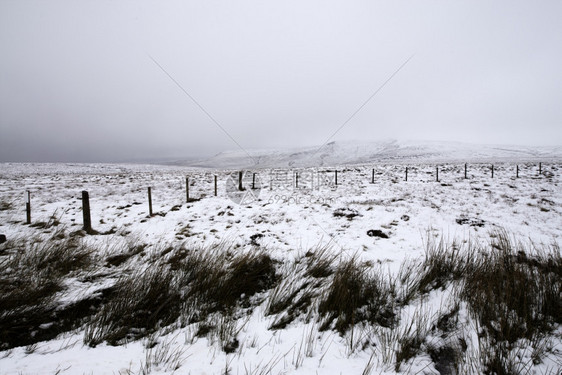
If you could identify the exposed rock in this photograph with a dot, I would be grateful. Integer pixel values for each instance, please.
(254, 238)
(376, 233)
(463, 220)
(346, 212)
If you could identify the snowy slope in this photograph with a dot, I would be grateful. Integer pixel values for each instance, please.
(350, 152)
(287, 223)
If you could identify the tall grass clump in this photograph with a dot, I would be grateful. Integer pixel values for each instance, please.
(31, 273)
(512, 292)
(357, 294)
(340, 294)
(401, 342)
(220, 287)
(515, 295)
(185, 287)
(442, 264)
(140, 303)
(215, 280)
(301, 283)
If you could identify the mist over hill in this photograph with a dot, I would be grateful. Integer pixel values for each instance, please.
(361, 152)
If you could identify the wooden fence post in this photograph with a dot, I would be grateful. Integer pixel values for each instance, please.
(336, 177)
(492, 170)
(296, 180)
(186, 189)
(28, 207)
(406, 173)
(253, 181)
(540, 168)
(465, 168)
(437, 173)
(215, 185)
(373, 176)
(86, 212)
(517, 171)
(149, 201)
(240, 187)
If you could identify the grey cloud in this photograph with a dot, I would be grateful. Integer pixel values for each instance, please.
(77, 83)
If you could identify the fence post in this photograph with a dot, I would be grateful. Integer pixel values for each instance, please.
(186, 189)
(406, 173)
(373, 176)
(253, 181)
(240, 187)
(86, 212)
(465, 171)
(336, 177)
(540, 168)
(437, 174)
(28, 207)
(296, 180)
(149, 201)
(492, 170)
(215, 185)
(517, 171)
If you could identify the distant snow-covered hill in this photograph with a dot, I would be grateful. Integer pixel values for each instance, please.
(345, 153)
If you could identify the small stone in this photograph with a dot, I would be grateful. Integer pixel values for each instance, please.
(254, 239)
(3, 238)
(476, 222)
(376, 233)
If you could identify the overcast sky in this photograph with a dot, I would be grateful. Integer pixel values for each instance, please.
(77, 82)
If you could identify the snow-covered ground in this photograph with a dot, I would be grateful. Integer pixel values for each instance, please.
(285, 220)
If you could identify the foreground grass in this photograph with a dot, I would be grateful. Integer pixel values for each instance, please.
(503, 299)
(32, 275)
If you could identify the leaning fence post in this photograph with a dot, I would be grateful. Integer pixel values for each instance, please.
(28, 207)
(86, 212)
(149, 201)
(186, 189)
